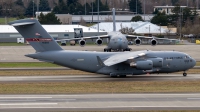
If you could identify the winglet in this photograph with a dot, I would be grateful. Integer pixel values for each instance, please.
(100, 61)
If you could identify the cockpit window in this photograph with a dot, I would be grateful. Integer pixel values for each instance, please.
(186, 57)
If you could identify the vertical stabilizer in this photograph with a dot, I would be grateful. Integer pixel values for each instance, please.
(36, 35)
(114, 23)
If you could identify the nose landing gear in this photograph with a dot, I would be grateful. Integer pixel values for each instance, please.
(184, 74)
(127, 49)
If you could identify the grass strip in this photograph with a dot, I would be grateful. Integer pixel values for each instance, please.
(62, 72)
(138, 111)
(99, 87)
(35, 64)
(41, 72)
(12, 44)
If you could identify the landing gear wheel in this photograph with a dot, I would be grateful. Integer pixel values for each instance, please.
(184, 74)
(107, 50)
(122, 76)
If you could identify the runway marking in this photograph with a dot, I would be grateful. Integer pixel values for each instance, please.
(15, 100)
(153, 106)
(12, 104)
(193, 98)
(12, 97)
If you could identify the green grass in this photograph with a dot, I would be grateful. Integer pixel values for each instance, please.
(99, 87)
(26, 64)
(2, 20)
(12, 44)
(198, 64)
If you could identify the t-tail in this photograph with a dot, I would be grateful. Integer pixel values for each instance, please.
(114, 22)
(36, 35)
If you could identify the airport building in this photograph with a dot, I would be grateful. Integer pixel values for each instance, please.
(9, 34)
(141, 28)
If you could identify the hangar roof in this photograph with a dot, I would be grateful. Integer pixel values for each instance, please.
(50, 28)
(139, 27)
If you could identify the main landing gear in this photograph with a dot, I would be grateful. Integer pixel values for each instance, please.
(184, 74)
(107, 50)
(127, 49)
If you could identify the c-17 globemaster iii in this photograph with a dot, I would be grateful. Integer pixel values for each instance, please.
(116, 40)
(108, 63)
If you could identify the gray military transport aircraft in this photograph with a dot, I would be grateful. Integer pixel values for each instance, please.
(116, 40)
(108, 63)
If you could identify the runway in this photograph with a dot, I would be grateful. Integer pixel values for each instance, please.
(97, 77)
(100, 102)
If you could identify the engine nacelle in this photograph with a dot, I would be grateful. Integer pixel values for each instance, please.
(137, 41)
(157, 62)
(154, 42)
(99, 41)
(82, 43)
(142, 65)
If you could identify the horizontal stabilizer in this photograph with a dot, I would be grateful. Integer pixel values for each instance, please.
(22, 24)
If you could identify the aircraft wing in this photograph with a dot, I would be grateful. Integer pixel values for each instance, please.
(149, 38)
(146, 37)
(122, 57)
(139, 37)
(85, 38)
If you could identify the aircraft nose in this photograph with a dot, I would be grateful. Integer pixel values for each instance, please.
(193, 62)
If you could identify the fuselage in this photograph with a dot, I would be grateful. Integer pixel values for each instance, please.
(87, 61)
(117, 41)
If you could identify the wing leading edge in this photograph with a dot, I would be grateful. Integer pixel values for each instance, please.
(86, 38)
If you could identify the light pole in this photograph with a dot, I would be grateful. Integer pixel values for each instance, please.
(149, 30)
(98, 16)
(180, 21)
(33, 8)
(85, 7)
(144, 9)
(37, 9)
(136, 6)
(92, 11)
(160, 28)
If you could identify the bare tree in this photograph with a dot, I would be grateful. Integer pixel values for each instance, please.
(82, 21)
(127, 30)
(6, 9)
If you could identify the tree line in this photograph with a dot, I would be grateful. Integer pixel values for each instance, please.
(186, 20)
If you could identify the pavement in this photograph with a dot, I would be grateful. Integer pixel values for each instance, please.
(99, 78)
(16, 53)
(100, 102)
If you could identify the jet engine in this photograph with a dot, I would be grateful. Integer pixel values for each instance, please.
(142, 65)
(157, 62)
(154, 42)
(82, 43)
(137, 41)
(99, 41)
